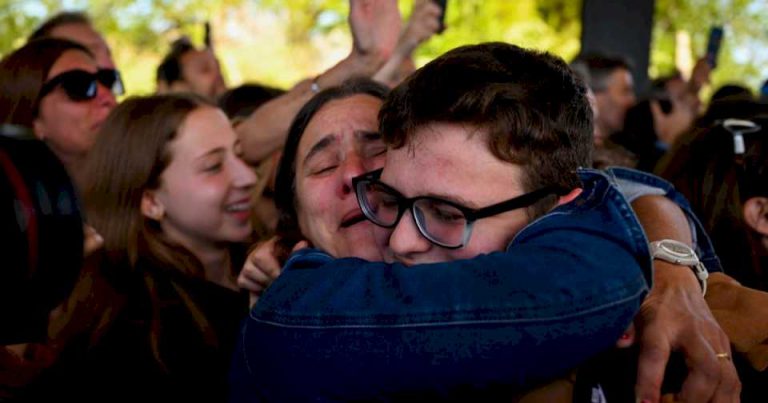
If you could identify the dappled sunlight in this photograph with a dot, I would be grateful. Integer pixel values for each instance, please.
(282, 42)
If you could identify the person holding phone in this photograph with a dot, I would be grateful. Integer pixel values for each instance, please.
(686, 92)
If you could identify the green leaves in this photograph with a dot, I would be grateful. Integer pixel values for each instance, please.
(743, 54)
(282, 41)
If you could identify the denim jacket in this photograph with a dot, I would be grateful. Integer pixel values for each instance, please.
(347, 329)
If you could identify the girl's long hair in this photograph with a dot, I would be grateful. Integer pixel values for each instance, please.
(128, 158)
(717, 180)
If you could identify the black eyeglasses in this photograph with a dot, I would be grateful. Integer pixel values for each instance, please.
(80, 85)
(442, 222)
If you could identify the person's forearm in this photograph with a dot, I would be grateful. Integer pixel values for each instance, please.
(675, 316)
(266, 129)
(661, 218)
(392, 73)
(635, 184)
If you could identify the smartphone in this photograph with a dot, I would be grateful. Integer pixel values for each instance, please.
(207, 38)
(713, 45)
(764, 91)
(443, 4)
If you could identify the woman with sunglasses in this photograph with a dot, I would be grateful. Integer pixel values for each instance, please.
(156, 311)
(54, 87)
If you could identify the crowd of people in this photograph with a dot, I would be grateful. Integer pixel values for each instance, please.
(487, 227)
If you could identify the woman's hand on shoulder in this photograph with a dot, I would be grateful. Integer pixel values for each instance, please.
(261, 268)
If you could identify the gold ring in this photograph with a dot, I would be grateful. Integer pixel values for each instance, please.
(723, 356)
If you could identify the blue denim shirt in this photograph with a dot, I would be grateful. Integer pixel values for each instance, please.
(346, 329)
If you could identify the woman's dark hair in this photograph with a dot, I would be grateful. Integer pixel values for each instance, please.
(59, 20)
(22, 75)
(240, 102)
(732, 92)
(169, 70)
(730, 108)
(639, 136)
(717, 180)
(285, 183)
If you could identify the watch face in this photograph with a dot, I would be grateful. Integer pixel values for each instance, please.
(678, 249)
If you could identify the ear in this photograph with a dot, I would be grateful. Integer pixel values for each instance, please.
(755, 211)
(573, 194)
(151, 207)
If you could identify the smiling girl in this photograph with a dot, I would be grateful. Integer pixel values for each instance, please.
(156, 314)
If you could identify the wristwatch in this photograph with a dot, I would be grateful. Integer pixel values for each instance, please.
(679, 253)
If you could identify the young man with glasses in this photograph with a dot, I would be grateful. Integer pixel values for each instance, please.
(472, 169)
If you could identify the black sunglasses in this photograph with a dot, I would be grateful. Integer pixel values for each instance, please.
(80, 85)
(442, 222)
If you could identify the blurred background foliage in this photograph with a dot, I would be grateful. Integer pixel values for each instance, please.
(279, 42)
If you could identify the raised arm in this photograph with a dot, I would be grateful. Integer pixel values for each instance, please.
(424, 23)
(375, 26)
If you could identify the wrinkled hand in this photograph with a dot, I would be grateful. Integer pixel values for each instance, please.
(675, 317)
(375, 26)
(261, 268)
(424, 22)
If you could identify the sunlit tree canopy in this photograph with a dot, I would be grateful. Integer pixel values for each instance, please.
(279, 42)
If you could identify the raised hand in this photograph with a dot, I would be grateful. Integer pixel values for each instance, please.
(424, 22)
(375, 26)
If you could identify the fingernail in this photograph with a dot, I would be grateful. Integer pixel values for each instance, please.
(627, 336)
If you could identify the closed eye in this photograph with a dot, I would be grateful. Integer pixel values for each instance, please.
(213, 168)
(322, 170)
(376, 151)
